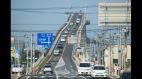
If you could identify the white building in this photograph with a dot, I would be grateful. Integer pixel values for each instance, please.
(114, 55)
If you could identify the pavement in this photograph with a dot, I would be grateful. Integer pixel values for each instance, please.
(113, 76)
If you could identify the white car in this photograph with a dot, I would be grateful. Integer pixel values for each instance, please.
(84, 68)
(66, 31)
(64, 35)
(78, 20)
(48, 68)
(98, 71)
(63, 39)
(17, 68)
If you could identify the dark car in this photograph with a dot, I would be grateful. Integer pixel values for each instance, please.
(60, 46)
(125, 75)
(60, 50)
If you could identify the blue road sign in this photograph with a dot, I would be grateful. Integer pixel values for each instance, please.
(119, 51)
(45, 39)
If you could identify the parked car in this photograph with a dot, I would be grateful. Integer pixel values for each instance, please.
(17, 68)
(125, 75)
(98, 71)
(48, 68)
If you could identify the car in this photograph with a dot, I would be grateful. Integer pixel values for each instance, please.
(56, 52)
(60, 46)
(84, 68)
(63, 39)
(60, 50)
(17, 68)
(98, 71)
(125, 75)
(64, 35)
(48, 68)
(74, 28)
(66, 31)
(72, 33)
(71, 23)
(78, 21)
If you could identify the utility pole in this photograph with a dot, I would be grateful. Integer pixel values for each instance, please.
(19, 50)
(110, 54)
(33, 56)
(125, 48)
(31, 51)
(28, 57)
(120, 53)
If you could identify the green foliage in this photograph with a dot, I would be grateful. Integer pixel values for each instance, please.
(24, 56)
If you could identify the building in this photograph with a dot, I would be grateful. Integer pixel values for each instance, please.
(15, 42)
(114, 56)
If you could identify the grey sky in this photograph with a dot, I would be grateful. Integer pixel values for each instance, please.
(20, 17)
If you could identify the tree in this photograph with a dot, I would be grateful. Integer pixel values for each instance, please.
(24, 56)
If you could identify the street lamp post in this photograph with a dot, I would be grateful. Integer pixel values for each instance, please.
(27, 70)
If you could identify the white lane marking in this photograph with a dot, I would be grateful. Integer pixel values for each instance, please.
(111, 77)
(50, 76)
(67, 71)
(35, 76)
(83, 77)
(43, 76)
(60, 63)
(28, 77)
(65, 76)
(56, 75)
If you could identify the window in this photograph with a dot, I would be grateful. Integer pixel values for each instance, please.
(128, 62)
(84, 64)
(99, 68)
(115, 61)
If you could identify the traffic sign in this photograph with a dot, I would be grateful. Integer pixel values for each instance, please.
(12, 50)
(119, 51)
(45, 39)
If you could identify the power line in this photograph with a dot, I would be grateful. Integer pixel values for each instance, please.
(44, 24)
(57, 30)
(55, 8)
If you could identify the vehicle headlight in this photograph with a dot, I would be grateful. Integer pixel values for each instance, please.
(105, 71)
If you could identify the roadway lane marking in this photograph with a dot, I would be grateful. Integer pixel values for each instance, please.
(50, 76)
(83, 77)
(56, 75)
(28, 77)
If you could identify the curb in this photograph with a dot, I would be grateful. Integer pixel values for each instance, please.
(20, 77)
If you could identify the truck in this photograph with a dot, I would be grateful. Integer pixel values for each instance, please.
(56, 52)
